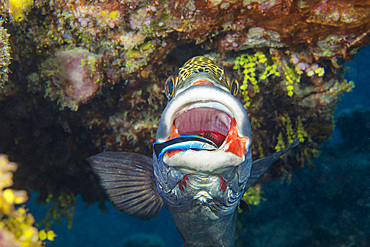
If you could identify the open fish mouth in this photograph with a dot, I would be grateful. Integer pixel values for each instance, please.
(197, 127)
(210, 113)
(210, 123)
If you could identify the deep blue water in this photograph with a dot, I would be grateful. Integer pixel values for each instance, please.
(315, 207)
(359, 72)
(93, 228)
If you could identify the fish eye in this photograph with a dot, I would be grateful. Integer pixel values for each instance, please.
(169, 86)
(234, 87)
(232, 82)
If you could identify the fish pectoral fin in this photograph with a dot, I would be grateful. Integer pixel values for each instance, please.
(260, 166)
(129, 182)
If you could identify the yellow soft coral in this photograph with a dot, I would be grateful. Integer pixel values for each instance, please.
(17, 8)
(249, 64)
(289, 129)
(291, 134)
(291, 77)
(301, 133)
(253, 196)
(252, 65)
(16, 225)
(50, 235)
(280, 144)
(58, 207)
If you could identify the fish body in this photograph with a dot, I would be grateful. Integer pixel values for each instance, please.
(202, 161)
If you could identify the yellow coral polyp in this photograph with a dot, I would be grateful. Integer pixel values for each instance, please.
(261, 57)
(14, 197)
(280, 144)
(320, 71)
(249, 65)
(269, 70)
(5, 180)
(28, 234)
(15, 223)
(17, 8)
(301, 133)
(42, 235)
(291, 78)
(114, 14)
(49, 235)
(350, 86)
(8, 196)
(253, 195)
(244, 87)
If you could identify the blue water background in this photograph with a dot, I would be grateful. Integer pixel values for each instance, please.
(359, 72)
(93, 228)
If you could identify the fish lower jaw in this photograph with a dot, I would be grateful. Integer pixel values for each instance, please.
(203, 161)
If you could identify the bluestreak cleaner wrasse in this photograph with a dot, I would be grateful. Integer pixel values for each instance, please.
(202, 161)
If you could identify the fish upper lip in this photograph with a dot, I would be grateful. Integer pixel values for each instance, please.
(202, 95)
(212, 104)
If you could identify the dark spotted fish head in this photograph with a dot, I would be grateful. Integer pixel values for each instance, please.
(200, 70)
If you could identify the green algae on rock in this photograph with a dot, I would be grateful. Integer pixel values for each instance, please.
(4, 57)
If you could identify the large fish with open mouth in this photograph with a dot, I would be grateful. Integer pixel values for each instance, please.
(202, 161)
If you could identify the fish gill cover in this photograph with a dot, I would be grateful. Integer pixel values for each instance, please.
(87, 76)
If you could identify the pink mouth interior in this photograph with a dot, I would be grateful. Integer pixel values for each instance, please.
(210, 123)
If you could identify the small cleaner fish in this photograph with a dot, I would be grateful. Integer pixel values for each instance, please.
(202, 160)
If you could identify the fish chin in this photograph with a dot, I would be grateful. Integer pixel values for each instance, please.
(203, 161)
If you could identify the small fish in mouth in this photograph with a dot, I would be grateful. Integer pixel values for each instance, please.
(202, 162)
(183, 143)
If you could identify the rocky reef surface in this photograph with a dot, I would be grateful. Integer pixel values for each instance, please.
(86, 76)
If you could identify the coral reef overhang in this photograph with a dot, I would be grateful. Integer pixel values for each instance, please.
(286, 55)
